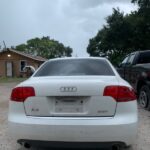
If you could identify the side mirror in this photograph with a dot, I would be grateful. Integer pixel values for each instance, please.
(119, 65)
(128, 64)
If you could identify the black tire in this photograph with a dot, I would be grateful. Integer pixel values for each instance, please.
(144, 97)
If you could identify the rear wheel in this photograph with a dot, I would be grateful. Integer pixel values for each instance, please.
(144, 97)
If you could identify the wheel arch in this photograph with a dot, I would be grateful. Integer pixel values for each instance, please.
(139, 85)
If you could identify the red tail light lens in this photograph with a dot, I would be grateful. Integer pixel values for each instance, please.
(120, 93)
(20, 94)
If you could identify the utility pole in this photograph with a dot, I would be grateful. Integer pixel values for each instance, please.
(5, 48)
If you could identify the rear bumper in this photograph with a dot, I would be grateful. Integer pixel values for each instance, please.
(121, 128)
(65, 132)
(50, 144)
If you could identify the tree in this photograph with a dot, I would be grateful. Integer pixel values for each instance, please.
(123, 34)
(142, 3)
(45, 47)
(113, 38)
(143, 24)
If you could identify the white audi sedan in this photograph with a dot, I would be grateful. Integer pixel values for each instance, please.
(75, 102)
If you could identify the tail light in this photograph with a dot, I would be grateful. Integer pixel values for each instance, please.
(20, 94)
(120, 93)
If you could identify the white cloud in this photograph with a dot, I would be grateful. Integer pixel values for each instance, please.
(72, 22)
(95, 3)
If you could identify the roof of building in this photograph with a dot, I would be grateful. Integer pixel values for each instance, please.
(38, 58)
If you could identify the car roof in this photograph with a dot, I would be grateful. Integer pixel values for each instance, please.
(76, 58)
(141, 51)
(144, 51)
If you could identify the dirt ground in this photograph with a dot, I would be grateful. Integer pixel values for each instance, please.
(6, 143)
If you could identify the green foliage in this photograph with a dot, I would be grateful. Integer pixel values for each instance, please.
(123, 34)
(113, 39)
(10, 80)
(45, 47)
(142, 3)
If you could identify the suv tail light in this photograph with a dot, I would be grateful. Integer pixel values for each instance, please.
(20, 94)
(120, 93)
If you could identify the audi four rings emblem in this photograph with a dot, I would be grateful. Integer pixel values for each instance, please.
(68, 89)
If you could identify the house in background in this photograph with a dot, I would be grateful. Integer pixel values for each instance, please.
(12, 62)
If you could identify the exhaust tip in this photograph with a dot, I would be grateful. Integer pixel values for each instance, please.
(116, 147)
(27, 145)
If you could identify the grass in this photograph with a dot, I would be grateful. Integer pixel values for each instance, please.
(8, 80)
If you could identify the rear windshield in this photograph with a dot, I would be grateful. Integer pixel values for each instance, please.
(75, 67)
(144, 58)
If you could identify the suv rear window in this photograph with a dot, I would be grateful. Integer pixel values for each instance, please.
(75, 67)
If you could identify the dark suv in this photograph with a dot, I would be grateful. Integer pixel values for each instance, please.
(135, 68)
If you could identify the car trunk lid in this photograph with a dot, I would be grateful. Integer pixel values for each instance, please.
(70, 96)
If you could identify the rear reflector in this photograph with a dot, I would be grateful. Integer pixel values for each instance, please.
(120, 93)
(20, 94)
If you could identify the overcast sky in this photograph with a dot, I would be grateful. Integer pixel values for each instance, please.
(72, 22)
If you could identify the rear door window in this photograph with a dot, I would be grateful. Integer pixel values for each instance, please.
(144, 58)
(131, 59)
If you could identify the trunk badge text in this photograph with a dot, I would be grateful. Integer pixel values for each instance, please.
(68, 89)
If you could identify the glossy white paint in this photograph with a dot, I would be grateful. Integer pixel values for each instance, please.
(83, 115)
(85, 102)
